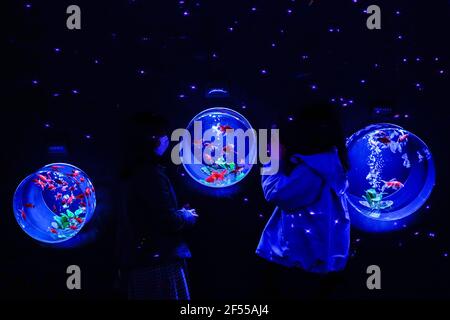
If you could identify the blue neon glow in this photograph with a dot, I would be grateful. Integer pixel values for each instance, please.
(220, 173)
(53, 204)
(392, 175)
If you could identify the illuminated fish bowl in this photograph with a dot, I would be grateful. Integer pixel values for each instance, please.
(222, 148)
(53, 204)
(392, 172)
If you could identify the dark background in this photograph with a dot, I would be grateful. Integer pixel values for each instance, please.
(75, 88)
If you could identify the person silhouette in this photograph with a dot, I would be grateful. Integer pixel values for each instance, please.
(158, 251)
(310, 227)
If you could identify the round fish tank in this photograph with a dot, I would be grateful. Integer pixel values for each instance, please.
(392, 172)
(222, 148)
(54, 203)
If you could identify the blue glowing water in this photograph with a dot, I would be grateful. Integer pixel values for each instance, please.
(53, 204)
(216, 170)
(392, 172)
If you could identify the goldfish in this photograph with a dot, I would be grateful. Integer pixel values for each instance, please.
(208, 158)
(237, 169)
(75, 173)
(72, 188)
(70, 199)
(58, 196)
(58, 181)
(216, 176)
(79, 220)
(224, 128)
(51, 187)
(67, 200)
(403, 138)
(43, 178)
(393, 183)
(29, 205)
(53, 230)
(80, 196)
(73, 227)
(88, 192)
(82, 179)
(228, 148)
(22, 214)
(56, 167)
(384, 140)
(39, 183)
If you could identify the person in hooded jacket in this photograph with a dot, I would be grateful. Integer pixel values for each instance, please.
(309, 231)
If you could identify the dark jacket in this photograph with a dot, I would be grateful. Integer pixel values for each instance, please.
(156, 223)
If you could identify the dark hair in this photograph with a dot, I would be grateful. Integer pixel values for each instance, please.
(140, 136)
(313, 129)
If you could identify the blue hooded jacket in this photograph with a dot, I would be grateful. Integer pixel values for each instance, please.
(310, 227)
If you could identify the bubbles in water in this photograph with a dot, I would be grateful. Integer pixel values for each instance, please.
(53, 204)
(392, 172)
(217, 158)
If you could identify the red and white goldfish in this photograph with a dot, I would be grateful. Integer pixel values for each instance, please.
(22, 214)
(43, 178)
(392, 184)
(224, 128)
(216, 176)
(75, 173)
(39, 183)
(403, 138)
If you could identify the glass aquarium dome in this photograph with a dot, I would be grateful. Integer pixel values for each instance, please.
(53, 204)
(218, 158)
(392, 172)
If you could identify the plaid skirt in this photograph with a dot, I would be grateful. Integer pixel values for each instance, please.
(163, 281)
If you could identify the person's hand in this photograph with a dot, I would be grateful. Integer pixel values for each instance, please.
(190, 215)
(193, 212)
